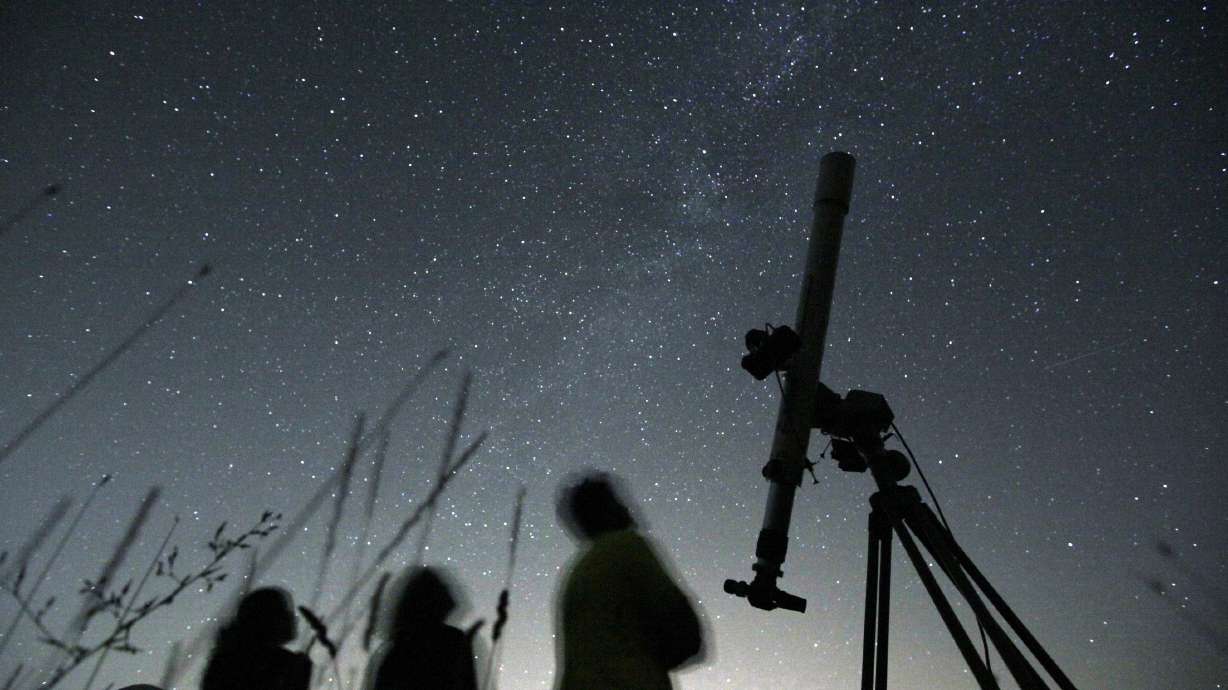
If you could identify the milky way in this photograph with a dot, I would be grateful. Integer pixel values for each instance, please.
(587, 206)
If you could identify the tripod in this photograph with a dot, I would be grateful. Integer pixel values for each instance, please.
(856, 425)
(899, 509)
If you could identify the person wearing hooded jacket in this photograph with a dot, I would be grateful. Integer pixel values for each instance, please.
(623, 621)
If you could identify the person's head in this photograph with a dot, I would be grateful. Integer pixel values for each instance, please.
(424, 600)
(265, 616)
(592, 506)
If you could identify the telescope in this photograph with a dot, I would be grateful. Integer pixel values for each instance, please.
(858, 425)
(799, 357)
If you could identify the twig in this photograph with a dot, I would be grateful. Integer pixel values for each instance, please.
(132, 600)
(1170, 554)
(249, 575)
(397, 540)
(24, 609)
(383, 424)
(1214, 637)
(95, 600)
(209, 576)
(425, 509)
(377, 471)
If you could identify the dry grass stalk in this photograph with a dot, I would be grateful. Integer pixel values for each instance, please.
(80, 384)
(398, 539)
(295, 528)
(1214, 634)
(171, 669)
(407, 526)
(343, 493)
(384, 423)
(377, 596)
(29, 208)
(379, 433)
(1170, 554)
(368, 513)
(16, 573)
(249, 575)
(12, 679)
(94, 591)
(445, 460)
(123, 617)
(118, 602)
(496, 632)
(51, 561)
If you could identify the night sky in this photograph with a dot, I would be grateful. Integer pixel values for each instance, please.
(588, 205)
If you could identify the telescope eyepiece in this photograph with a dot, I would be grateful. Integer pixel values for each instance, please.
(768, 598)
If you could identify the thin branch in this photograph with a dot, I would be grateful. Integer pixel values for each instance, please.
(135, 595)
(210, 575)
(368, 513)
(24, 609)
(377, 471)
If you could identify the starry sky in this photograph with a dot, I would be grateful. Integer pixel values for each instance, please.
(587, 205)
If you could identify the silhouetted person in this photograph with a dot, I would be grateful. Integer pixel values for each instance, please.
(249, 653)
(423, 652)
(622, 620)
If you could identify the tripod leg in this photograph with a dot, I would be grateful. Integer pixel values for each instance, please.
(884, 602)
(973, 659)
(1005, 611)
(936, 539)
(869, 635)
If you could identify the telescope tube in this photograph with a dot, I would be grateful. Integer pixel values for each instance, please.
(791, 440)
